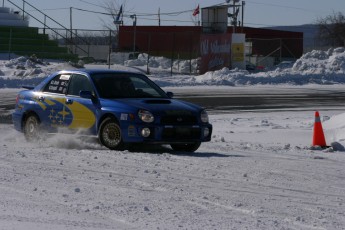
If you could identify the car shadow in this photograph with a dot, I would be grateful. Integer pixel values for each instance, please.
(205, 154)
(160, 149)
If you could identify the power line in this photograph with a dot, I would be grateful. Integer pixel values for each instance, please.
(51, 9)
(138, 14)
(92, 11)
(92, 4)
(165, 20)
(280, 6)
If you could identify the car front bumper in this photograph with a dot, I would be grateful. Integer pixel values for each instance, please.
(167, 134)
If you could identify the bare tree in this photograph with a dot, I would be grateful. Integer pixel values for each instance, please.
(113, 7)
(332, 29)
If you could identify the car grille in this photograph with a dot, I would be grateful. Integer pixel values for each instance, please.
(181, 133)
(178, 120)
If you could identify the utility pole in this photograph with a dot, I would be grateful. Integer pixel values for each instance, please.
(134, 17)
(234, 18)
(243, 4)
(234, 14)
(159, 16)
(70, 21)
(71, 33)
(23, 10)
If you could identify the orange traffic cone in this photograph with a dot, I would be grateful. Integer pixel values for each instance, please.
(318, 136)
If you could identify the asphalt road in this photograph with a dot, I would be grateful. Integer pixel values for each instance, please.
(265, 99)
(236, 99)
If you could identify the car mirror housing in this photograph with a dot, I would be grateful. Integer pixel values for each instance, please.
(86, 94)
(170, 94)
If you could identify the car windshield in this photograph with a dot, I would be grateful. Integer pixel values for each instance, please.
(123, 85)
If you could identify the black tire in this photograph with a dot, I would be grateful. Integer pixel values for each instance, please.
(186, 147)
(31, 128)
(110, 134)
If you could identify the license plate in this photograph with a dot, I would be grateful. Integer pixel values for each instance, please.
(185, 132)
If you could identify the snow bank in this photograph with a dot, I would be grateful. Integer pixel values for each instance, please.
(28, 71)
(182, 66)
(315, 67)
(322, 62)
(335, 131)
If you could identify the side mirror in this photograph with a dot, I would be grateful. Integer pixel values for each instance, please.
(170, 94)
(86, 94)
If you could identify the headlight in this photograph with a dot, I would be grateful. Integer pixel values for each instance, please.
(204, 116)
(146, 116)
(145, 132)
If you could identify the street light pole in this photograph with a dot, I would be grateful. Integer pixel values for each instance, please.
(134, 17)
(243, 4)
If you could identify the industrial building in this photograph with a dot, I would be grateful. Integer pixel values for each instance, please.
(213, 42)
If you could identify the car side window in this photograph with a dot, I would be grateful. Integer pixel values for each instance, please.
(58, 84)
(78, 83)
(143, 89)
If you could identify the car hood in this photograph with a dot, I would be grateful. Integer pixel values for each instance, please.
(156, 106)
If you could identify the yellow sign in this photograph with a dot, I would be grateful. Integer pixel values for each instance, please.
(237, 50)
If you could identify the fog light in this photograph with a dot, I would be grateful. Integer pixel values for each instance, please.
(145, 132)
(206, 132)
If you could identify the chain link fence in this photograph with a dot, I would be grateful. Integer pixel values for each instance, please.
(174, 51)
(270, 52)
(177, 52)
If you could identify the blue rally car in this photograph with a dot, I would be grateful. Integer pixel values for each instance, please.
(117, 106)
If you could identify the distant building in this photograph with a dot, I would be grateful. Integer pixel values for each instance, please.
(11, 18)
(184, 42)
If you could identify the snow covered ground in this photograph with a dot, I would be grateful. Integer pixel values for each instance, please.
(258, 172)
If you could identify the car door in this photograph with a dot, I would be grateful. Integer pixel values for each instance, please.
(82, 109)
(52, 101)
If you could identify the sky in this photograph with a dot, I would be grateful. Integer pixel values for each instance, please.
(87, 14)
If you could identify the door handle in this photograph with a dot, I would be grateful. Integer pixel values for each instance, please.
(69, 101)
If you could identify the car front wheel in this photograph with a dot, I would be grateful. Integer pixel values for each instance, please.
(32, 128)
(186, 147)
(110, 134)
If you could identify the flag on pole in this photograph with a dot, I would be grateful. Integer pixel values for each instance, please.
(196, 11)
(118, 15)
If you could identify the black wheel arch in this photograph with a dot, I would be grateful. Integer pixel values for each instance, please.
(28, 114)
(106, 116)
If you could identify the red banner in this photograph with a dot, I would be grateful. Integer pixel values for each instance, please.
(215, 52)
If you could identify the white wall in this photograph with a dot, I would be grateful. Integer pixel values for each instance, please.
(238, 51)
(99, 52)
(11, 19)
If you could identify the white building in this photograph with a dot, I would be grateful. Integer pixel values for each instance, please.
(10, 18)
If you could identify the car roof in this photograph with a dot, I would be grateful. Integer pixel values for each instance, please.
(97, 71)
(84, 71)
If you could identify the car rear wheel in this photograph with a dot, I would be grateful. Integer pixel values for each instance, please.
(186, 147)
(110, 134)
(32, 128)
